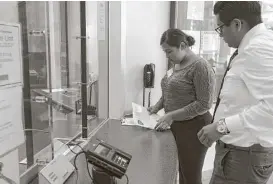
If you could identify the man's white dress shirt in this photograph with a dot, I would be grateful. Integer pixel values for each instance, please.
(247, 93)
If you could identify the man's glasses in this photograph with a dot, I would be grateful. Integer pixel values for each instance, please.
(219, 29)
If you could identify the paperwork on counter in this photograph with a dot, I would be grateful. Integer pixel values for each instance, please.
(141, 117)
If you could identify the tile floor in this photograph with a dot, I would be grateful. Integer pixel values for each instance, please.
(207, 175)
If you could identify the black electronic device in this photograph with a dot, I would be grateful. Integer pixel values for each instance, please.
(112, 160)
(148, 81)
(149, 75)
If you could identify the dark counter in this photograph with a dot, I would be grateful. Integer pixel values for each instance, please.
(154, 156)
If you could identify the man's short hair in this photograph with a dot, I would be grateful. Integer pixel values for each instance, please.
(250, 11)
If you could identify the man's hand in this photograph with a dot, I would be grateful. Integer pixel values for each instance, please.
(209, 134)
(164, 122)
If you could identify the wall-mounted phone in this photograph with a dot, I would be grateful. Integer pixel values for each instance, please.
(148, 81)
(149, 75)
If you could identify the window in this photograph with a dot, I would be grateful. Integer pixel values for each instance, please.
(197, 19)
(53, 54)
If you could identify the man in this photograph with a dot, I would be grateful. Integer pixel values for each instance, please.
(243, 117)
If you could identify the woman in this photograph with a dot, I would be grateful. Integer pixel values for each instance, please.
(187, 96)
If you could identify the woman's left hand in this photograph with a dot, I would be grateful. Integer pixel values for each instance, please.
(164, 122)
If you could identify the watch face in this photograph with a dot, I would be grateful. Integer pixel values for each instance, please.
(221, 129)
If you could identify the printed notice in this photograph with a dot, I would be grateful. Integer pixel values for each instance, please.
(10, 58)
(210, 42)
(196, 10)
(11, 129)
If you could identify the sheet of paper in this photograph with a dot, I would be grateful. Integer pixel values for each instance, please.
(196, 10)
(11, 127)
(210, 42)
(128, 121)
(142, 118)
(10, 55)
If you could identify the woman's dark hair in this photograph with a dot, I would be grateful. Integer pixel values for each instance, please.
(174, 38)
(250, 11)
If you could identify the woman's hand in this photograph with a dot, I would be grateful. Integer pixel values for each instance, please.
(164, 122)
(152, 110)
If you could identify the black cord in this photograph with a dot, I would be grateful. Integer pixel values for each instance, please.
(127, 179)
(77, 176)
(71, 149)
(143, 96)
(87, 166)
(68, 145)
(90, 97)
(149, 98)
(76, 169)
(77, 154)
(77, 173)
(74, 163)
(79, 146)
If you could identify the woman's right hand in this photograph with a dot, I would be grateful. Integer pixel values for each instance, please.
(152, 110)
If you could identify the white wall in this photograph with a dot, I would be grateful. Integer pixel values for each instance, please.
(117, 58)
(141, 24)
(143, 37)
(9, 11)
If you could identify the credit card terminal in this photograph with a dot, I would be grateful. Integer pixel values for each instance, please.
(114, 161)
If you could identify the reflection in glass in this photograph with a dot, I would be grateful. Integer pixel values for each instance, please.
(52, 78)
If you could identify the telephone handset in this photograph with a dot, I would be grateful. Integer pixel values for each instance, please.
(149, 75)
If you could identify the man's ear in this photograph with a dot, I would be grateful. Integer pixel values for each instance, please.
(238, 24)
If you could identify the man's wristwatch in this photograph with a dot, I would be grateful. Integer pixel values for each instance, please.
(222, 127)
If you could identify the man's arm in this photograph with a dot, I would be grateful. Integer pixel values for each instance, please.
(258, 78)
